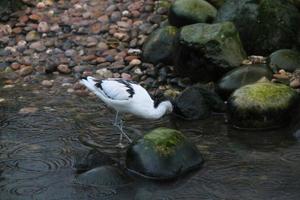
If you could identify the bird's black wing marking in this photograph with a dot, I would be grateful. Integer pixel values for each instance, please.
(128, 85)
(98, 84)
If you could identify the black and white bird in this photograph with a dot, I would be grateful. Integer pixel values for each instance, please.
(126, 97)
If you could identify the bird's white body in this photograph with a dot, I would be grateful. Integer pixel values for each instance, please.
(127, 97)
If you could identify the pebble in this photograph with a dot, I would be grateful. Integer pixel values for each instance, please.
(295, 83)
(2, 100)
(28, 110)
(135, 62)
(104, 73)
(26, 71)
(38, 46)
(43, 27)
(47, 83)
(64, 69)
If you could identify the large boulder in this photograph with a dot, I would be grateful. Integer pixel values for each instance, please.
(197, 103)
(163, 154)
(159, 47)
(286, 59)
(265, 25)
(206, 51)
(185, 12)
(263, 105)
(241, 76)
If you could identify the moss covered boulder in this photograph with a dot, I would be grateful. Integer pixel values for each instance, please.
(185, 12)
(163, 154)
(206, 51)
(286, 59)
(159, 47)
(262, 106)
(264, 26)
(241, 76)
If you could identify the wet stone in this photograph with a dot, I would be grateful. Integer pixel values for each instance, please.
(32, 36)
(26, 71)
(163, 154)
(103, 176)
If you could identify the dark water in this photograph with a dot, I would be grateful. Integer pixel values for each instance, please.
(38, 152)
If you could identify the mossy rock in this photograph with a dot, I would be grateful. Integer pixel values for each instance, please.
(262, 106)
(286, 59)
(185, 12)
(159, 47)
(162, 154)
(264, 26)
(241, 76)
(206, 52)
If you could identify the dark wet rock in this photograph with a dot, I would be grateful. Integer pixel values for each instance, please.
(7, 7)
(262, 105)
(92, 159)
(241, 76)
(160, 45)
(196, 102)
(206, 51)
(103, 176)
(185, 12)
(163, 154)
(216, 3)
(264, 26)
(286, 59)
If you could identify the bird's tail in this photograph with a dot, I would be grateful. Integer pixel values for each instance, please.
(89, 82)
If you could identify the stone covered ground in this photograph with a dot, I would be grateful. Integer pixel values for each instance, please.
(82, 37)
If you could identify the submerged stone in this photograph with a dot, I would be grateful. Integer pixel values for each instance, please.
(163, 153)
(207, 51)
(103, 176)
(264, 26)
(286, 59)
(241, 76)
(185, 12)
(262, 106)
(160, 45)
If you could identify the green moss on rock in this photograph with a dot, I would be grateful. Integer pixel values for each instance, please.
(262, 105)
(164, 140)
(264, 96)
(207, 51)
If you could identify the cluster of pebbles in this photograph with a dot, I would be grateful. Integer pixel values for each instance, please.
(84, 37)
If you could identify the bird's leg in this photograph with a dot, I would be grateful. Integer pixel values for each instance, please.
(116, 122)
(120, 126)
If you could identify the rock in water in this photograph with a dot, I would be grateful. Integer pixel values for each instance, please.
(160, 45)
(206, 51)
(185, 12)
(241, 76)
(163, 154)
(197, 103)
(264, 26)
(262, 106)
(103, 176)
(286, 59)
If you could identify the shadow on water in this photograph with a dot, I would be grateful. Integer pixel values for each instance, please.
(39, 152)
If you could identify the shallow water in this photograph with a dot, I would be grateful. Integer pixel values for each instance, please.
(38, 152)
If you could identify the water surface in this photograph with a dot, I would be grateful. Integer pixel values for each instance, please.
(38, 152)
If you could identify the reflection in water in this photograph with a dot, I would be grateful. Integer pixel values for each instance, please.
(39, 152)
